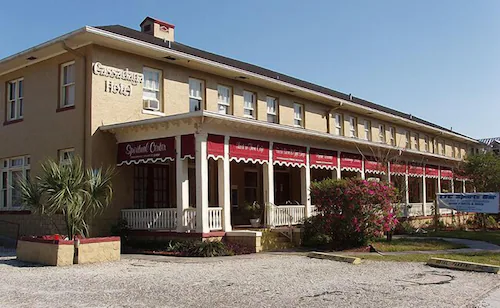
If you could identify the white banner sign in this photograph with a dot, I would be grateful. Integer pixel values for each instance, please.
(470, 202)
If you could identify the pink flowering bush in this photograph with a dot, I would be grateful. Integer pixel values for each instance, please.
(351, 212)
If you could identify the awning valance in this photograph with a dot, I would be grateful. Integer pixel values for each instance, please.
(351, 162)
(415, 169)
(187, 146)
(325, 159)
(446, 173)
(398, 168)
(431, 171)
(215, 146)
(372, 165)
(289, 155)
(146, 151)
(248, 150)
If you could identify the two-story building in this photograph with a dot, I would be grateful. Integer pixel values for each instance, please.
(194, 135)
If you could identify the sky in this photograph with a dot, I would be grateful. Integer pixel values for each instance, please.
(437, 60)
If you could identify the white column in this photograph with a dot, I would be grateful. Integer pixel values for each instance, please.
(339, 171)
(362, 168)
(268, 170)
(182, 184)
(439, 179)
(225, 187)
(388, 172)
(424, 192)
(201, 184)
(463, 186)
(407, 195)
(305, 181)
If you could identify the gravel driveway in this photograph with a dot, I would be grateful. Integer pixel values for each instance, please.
(260, 280)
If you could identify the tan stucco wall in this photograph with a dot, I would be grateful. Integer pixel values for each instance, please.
(99, 252)
(47, 254)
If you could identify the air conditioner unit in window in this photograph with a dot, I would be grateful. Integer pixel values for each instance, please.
(151, 104)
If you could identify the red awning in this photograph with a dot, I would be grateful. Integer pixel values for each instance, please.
(398, 168)
(187, 146)
(146, 151)
(325, 159)
(431, 171)
(446, 173)
(374, 166)
(351, 162)
(215, 146)
(248, 150)
(415, 169)
(289, 155)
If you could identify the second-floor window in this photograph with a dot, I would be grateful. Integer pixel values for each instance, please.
(338, 124)
(392, 136)
(353, 132)
(426, 144)
(407, 140)
(249, 104)
(298, 115)
(272, 109)
(443, 148)
(68, 84)
(224, 99)
(66, 155)
(15, 99)
(381, 133)
(368, 130)
(459, 152)
(151, 95)
(453, 151)
(195, 94)
(416, 145)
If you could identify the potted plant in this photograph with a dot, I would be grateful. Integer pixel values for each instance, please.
(254, 211)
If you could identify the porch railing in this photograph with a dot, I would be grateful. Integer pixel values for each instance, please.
(151, 219)
(215, 218)
(189, 219)
(285, 215)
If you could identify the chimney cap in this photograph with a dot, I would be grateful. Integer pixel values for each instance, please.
(160, 22)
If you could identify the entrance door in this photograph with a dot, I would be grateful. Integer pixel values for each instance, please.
(281, 187)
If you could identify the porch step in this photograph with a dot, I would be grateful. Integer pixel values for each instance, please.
(274, 241)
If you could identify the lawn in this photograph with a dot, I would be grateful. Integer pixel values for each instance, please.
(411, 244)
(478, 257)
(486, 236)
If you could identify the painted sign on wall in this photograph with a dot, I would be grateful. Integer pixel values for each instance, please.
(117, 87)
(470, 202)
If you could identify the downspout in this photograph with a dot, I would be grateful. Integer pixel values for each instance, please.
(85, 115)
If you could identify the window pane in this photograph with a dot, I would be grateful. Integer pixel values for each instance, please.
(223, 109)
(16, 192)
(13, 110)
(271, 118)
(194, 104)
(69, 95)
(12, 91)
(195, 88)
(20, 88)
(21, 107)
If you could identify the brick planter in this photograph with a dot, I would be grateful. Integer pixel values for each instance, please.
(45, 251)
(98, 249)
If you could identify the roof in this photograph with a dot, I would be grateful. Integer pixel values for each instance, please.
(134, 34)
(490, 141)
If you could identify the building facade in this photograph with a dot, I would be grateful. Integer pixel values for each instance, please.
(195, 136)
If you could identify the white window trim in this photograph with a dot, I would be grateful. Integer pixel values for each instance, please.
(426, 144)
(338, 124)
(367, 126)
(381, 133)
(299, 118)
(251, 108)
(61, 153)
(416, 140)
(157, 91)
(5, 167)
(17, 100)
(198, 98)
(275, 113)
(65, 85)
(230, 98)
(392, 136)
(353, 132)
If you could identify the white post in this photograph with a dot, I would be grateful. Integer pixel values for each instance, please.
(268, 170)
(463, 186)
(439, 179)
(388, 172)
(225, 187)
(305, 181)
(201, 184)
(424, 192)
(407, 194)
(339, 171)
(363, 168)
(182, 184)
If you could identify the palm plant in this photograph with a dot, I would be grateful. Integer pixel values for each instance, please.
(69, 189)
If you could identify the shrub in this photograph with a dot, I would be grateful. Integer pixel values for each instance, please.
(351, 212)
(404, 227)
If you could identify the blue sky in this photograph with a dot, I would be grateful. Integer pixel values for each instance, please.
(438, 60)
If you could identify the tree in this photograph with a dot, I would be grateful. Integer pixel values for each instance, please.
(71, 190)
(484, 171)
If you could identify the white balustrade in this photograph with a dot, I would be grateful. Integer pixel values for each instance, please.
(151, 219)
(215, 218)
(189, 219)
(284, 215)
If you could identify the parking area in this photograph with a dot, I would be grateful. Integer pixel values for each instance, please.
(259, 280)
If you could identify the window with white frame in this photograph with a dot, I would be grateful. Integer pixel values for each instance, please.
(67, 84)
(433, 145)
(453, 151)
(249, 104)
(459, 152)
(443, 148)
(298, 115)
(224, 95)
(381, 133)
(368, 130)
(416, 144)
(353, 132)
(66, 155)
(196, 89)
(15, 99)
(272, 109)
(426, 144)
(13, 170)
(151, 94)
(392, 136)
(407, 140)
(338, 124)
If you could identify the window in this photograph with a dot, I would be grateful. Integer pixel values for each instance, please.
(407, 140)
(15, 99)
(416, 145)
(13, 170)
(249, 104)
(353, 132)
(151, 189)
(392, 136)
(381, 133)
(272, 109)
(426, 144)
(66, 155)
(67, 84)
(368, 130)
(195, 94)
(224, 99)
(151, 95)
(443, 148)
(433, 145)
(250, 185)
(298, 115)
(453, 151)
(459, 152)
(338, 124)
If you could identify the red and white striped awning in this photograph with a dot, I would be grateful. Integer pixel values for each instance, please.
(289, 155)
(351, 162)
(372, 165)
(187, 146)
(446, 173)
(323, 159)
(415, 169)
(146, 151)
(215, 146)
(248, 150)
(398, 168)
(431, 171)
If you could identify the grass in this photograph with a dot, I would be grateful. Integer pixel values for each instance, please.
(478, 257)
(409, 244)
(485, 236)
